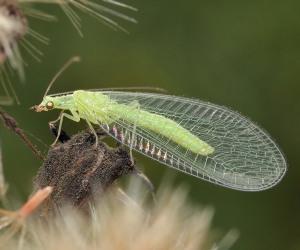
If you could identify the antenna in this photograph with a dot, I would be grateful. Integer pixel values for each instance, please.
(64, 67)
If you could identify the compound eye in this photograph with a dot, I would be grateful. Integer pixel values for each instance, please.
(49, 105)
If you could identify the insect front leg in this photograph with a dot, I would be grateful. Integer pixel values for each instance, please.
(63, 137)
(94, 132)
(74, 117)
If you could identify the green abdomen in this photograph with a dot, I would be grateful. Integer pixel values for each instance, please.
(164, 126)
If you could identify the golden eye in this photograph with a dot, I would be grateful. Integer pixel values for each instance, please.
(49, 105)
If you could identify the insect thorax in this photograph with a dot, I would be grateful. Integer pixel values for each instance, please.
(94, 106)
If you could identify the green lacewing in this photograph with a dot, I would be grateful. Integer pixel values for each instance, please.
(202, 139)
(199, 138)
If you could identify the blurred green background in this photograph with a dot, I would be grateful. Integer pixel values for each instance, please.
(244, 55)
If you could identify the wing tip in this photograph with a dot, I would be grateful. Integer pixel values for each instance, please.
(263, 186)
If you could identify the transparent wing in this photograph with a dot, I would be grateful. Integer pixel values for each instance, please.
(245, 157)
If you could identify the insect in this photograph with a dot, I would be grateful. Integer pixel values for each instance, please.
(199, 138)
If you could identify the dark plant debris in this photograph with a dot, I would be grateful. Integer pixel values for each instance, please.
(78, 170)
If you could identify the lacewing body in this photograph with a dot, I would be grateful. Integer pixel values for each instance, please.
(202, 139)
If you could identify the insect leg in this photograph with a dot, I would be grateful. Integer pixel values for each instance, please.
(93, 131)
(63, 137)
(74, 117)
(56, 120)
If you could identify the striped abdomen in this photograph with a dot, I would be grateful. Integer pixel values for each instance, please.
(163, 126)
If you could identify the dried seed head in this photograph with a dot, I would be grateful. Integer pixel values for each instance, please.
(169, 224)
(13, 221)
(13, 26)
(79, 171)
